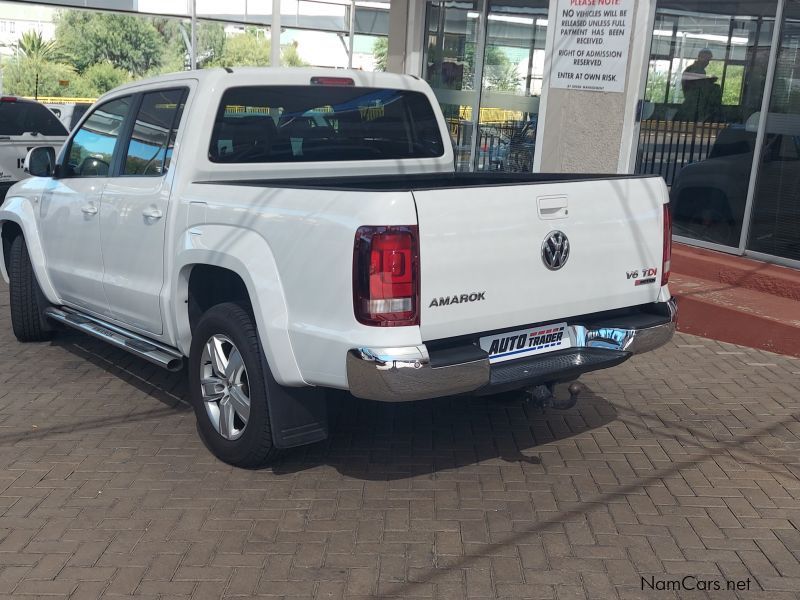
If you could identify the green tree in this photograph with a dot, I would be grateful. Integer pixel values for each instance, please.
(127, 42)
(253, 49)
(97, 80)
(34, 47)
(35, 71)
(174, 49)
(380, 50)
(501, 73)
(210, 42)
(656, 88)
(733, 82)
(24, 77)
(175, 37)
(244, 50)
(290, 57)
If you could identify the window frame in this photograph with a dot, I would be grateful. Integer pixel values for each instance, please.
(127, 135)
(64, 162)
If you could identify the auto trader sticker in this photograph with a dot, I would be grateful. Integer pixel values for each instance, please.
(526, 342)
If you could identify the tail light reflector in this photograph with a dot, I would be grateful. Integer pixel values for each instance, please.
(666, 264)
(386, 276)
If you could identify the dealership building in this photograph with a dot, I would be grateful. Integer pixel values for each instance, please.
(705, 93)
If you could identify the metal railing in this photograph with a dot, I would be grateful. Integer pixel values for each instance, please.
(665, 147)
(504, 147)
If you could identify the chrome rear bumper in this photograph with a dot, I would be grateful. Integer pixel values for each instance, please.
(408, 373)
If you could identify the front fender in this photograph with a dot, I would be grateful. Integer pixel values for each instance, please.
(20, 210)
(248, 255)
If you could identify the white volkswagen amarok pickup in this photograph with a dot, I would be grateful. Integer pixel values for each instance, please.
(289, 231)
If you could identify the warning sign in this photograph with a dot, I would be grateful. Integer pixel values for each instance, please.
(591, 45)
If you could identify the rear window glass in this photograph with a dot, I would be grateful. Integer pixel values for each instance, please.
(17, 118)
(269, 124)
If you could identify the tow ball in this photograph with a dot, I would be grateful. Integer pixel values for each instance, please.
(543, 396)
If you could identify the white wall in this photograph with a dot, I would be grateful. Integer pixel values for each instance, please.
(16, 19)
(595, 132)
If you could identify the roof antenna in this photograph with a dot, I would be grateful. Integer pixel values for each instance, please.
(228, 69)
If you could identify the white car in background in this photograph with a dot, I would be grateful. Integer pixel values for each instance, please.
(69, 113)
(24, 124)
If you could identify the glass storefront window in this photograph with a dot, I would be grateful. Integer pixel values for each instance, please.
(370, 52)
(706, 79)
(503, 106)
(512, 84)
(313, 48)
(775, 224)
(449, 66)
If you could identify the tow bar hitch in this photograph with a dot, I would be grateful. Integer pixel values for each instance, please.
(543, 396)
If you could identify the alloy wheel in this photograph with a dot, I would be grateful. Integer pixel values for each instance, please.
(225, 387)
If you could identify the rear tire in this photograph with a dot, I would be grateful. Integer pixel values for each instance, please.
(228, 387)
(27, 300)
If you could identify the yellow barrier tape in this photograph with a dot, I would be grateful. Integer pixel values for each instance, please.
(61, 100)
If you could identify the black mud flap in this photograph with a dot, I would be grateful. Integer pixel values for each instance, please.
(298, 415)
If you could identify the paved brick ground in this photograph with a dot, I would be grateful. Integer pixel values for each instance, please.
(680, 462)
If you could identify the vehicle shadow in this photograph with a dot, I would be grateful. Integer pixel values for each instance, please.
(164, 386)
(385, 441)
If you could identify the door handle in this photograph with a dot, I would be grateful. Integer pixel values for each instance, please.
(89, 209)
(553, 207)
(152, 213)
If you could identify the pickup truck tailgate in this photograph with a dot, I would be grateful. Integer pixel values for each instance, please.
(481, 259)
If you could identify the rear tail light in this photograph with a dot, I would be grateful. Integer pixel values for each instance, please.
(8, 99)
(666, 264)
(386, 276)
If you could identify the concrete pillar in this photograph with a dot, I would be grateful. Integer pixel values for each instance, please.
(398, 36)
(594, 132)
(406, 36)
(275, 34)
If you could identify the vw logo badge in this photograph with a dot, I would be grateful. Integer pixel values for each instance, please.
(555, 250)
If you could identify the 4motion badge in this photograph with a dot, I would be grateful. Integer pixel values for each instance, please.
(555, 250)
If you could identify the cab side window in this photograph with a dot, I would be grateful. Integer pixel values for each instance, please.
(153, 137)
(92, 147)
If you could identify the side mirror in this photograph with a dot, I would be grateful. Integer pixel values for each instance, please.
(40, 162)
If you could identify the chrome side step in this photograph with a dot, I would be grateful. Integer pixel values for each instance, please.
(158, 354)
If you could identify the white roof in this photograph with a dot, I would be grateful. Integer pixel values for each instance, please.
(235, 76)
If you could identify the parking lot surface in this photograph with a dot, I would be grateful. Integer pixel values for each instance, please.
(678, 472)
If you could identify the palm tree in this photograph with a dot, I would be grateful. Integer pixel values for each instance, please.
(33, 47)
